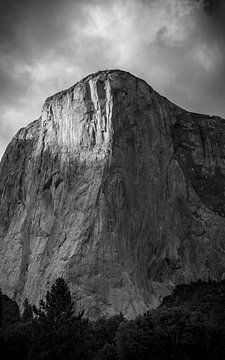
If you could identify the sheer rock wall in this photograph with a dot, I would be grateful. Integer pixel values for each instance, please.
(117, 190)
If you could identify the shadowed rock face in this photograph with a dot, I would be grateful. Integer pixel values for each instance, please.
(117, 190)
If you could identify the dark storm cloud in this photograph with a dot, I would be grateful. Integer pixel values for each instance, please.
(209, 36)
(178, 46)
(215, 8)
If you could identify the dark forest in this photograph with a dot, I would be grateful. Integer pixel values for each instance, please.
(189, 324)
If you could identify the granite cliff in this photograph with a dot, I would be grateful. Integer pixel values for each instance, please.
(117, 190)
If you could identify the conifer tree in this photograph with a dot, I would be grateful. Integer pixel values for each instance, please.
(27, 311)
(1, 310)
(53, 324)
(57, 306)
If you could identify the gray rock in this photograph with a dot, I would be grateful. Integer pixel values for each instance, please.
(117, 190)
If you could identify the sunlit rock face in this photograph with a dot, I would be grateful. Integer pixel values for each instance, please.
(117, 190)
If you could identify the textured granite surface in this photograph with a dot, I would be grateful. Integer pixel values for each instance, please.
(117, 190)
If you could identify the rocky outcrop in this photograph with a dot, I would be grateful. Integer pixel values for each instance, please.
(117, 190)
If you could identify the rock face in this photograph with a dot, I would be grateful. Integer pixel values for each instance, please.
(117, 190)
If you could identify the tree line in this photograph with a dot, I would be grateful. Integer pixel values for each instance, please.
(189, 325)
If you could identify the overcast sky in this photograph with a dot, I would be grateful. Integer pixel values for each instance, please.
(177, 46)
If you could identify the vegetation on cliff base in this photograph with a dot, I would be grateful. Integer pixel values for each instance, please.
(189, 324)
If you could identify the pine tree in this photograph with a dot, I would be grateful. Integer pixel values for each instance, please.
(55, 325)
(1, 310)
(27, 311)
(58, 306)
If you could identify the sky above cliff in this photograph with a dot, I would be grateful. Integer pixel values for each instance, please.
(177, 46)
